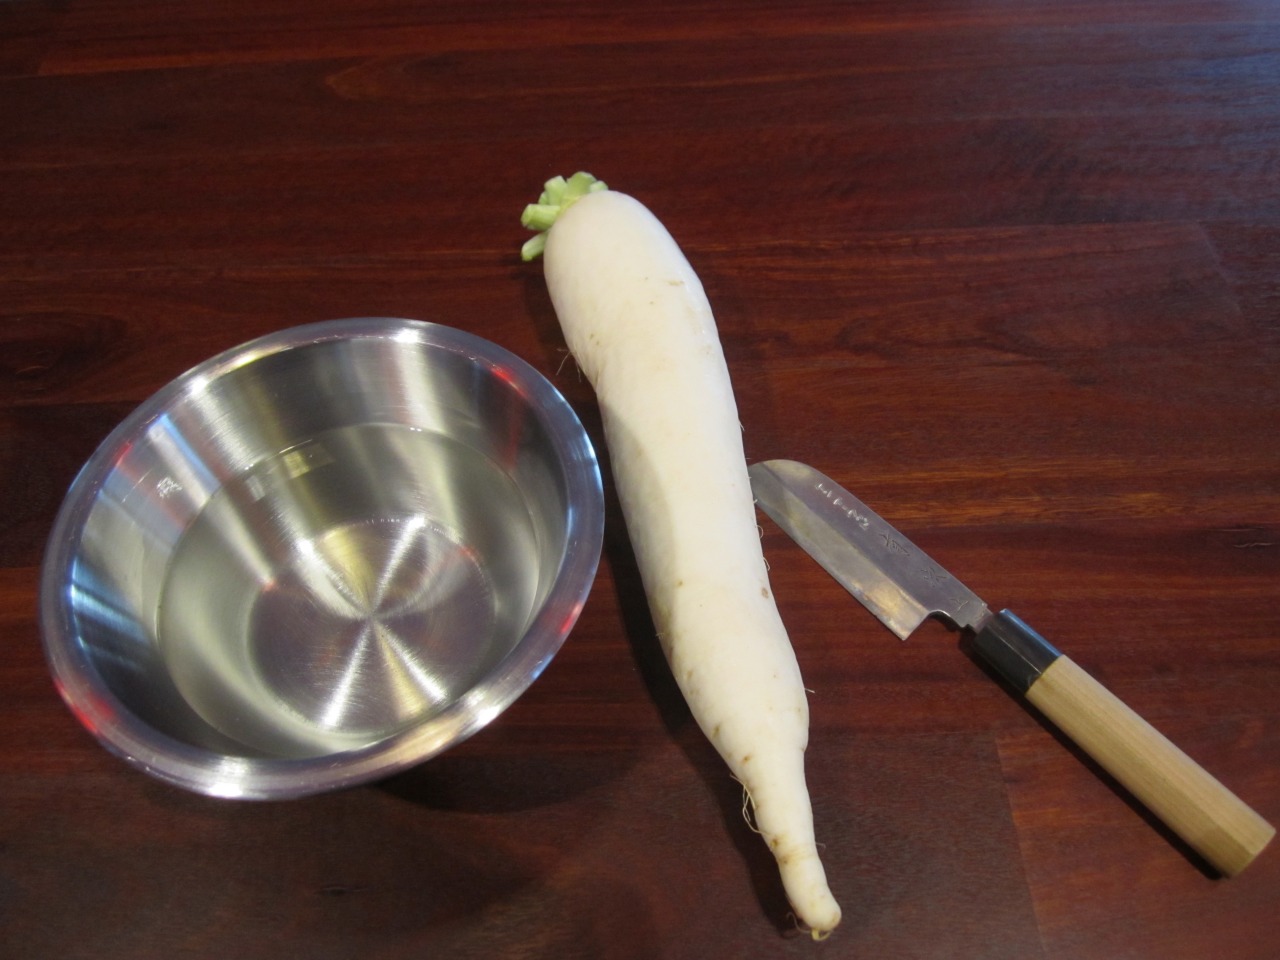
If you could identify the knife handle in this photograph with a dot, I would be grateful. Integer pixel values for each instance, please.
(1210, 818)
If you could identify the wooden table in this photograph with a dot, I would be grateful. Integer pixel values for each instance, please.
(1010, 271)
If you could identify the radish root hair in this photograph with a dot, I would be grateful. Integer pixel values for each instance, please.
(802, 927)
(749, 809)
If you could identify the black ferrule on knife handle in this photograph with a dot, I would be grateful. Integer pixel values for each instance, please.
(1014, 650)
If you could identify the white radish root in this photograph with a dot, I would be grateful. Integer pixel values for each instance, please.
(639, 325)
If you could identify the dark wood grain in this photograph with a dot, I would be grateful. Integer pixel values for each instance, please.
(1009, 271)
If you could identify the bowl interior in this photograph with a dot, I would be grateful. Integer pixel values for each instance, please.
(311, 545)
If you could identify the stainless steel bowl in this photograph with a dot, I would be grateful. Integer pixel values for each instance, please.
(321, 557)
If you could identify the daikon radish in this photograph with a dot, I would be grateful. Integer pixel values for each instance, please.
(638, 323)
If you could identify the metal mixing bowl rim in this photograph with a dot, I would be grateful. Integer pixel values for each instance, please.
(204, 771)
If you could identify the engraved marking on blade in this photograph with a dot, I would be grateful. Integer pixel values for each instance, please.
(933, 576)
(838, 502)
(893, 545)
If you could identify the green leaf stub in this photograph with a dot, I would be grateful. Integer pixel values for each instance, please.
(558, 195)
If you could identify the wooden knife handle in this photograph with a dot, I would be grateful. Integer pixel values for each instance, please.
(1198, 808)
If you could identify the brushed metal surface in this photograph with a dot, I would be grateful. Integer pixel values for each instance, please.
(886, 572)
(321, 557)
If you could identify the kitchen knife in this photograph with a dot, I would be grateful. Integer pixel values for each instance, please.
(902, 586)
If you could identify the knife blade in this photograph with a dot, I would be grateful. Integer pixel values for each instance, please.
(903, 586)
